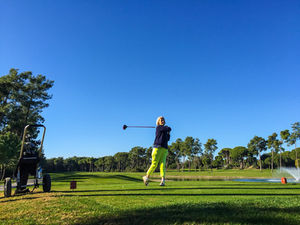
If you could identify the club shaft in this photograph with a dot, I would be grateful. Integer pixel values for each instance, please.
(142, 126)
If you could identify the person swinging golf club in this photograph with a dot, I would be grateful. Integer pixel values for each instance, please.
(160, 150)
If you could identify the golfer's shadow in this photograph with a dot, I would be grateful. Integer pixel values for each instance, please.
(82, 178)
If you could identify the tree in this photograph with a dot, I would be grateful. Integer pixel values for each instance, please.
(274, 145)
(250, 159)
(206, 160)
(23, 98)
(287, 159)
(59, 164)
(170, 161)
(91, 162)
(237, 154)
(257, 145)
(10, 85)
(295, 135)
(209, 148)
(197, 151)
(136, 158)
(83, 163)
(293, 155)
(49, 166)
(70, 164)
(191, 147)
(121, 160)
(225, 153)
(218, 162)
(285, 135)
(148, 156)
(9, 147)
(176, 148)
(266, 160)
(109, 163)
(183, 154)
(100, 164)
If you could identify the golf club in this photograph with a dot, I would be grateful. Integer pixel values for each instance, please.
(125, 126)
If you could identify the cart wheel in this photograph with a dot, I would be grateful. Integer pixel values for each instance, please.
(46, 183)
(7, 187)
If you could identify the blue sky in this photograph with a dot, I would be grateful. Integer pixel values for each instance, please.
(227, 70)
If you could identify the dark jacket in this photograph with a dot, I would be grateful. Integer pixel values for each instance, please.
(162, 136)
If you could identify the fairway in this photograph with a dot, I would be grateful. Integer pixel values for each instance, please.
(122, 198)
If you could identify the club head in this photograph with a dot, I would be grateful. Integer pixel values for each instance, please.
(124, 127)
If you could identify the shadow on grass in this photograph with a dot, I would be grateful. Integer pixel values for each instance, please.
(256, 184)
(174, 189)
(11, 199)
(178, 194)
(74, 176)
(31, 196)
(80, 178)
(207, 213)
(127, 178)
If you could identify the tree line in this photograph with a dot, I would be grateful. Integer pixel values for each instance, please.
(190, 154)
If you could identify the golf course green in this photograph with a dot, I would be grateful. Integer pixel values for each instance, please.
(122, 198)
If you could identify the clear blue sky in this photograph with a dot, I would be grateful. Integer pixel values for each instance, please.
(227, 70)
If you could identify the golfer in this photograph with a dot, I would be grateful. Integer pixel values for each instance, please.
(160, 150)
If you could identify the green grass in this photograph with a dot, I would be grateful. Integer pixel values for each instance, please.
(122, 198)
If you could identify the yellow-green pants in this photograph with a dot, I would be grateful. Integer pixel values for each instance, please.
(159, 156)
